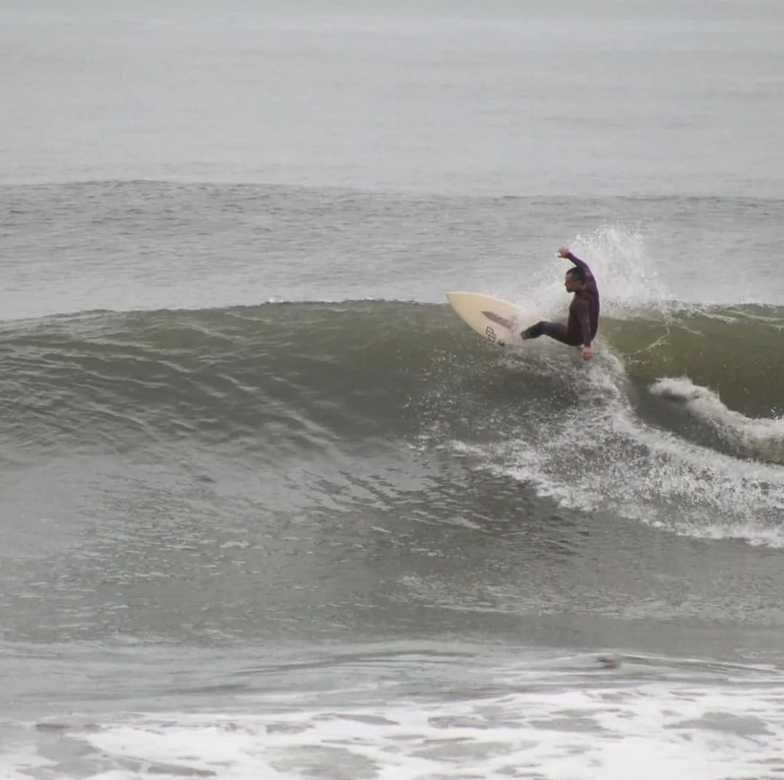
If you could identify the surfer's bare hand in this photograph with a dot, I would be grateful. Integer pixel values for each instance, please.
(587, 353)
(564, 252)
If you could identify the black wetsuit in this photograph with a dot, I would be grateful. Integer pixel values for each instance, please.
(583, 314)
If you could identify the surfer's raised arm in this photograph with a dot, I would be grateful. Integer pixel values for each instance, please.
(567, 254)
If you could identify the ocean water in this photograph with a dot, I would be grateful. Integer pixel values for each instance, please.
(270, 510)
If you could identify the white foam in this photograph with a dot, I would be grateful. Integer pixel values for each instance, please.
(576, 720)
(600, 455)
(20, 760)
(751, 437)
(626, 274)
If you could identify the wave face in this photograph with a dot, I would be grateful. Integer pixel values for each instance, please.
(735, 351)
(676, 423)
(278, 377)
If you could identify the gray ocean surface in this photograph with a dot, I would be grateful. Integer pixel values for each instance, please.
(270, 510)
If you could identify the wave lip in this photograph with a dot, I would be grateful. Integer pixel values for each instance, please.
(749, 437)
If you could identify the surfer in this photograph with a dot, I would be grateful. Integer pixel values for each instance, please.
(580, 330)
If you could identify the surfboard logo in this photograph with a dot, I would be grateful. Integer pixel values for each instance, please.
(494, 319)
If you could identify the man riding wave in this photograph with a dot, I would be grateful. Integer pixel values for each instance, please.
(580, 330)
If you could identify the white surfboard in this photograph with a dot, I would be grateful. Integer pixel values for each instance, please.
(498, 321)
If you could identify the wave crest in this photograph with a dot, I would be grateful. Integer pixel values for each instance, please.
(748, 437)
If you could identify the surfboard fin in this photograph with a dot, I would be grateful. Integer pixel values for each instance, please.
(498, 319)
